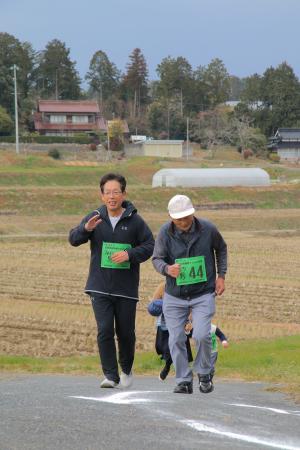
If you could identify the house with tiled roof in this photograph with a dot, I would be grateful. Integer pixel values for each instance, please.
(68, 117)
(286, 142)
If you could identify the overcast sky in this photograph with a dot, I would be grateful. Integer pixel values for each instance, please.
(247, 35)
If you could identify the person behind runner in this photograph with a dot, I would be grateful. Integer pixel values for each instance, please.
(216, 332)
(162, 334)
(120, 241)
(192, 254)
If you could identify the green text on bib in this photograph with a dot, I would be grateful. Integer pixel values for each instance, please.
(108, 248)
(192, 270)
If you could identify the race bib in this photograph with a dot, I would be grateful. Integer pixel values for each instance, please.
(192, 270)
(108, 248)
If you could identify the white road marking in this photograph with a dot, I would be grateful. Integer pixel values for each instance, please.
(241, 437)
(126, 398)
(122, 398)
(279, 411)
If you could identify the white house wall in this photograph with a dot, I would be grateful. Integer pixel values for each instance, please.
(290, 154)
(163, 150)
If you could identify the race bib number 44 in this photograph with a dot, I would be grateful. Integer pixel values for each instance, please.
(108, 248)
(192, 270)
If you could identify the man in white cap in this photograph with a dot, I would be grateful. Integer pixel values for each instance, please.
(192, 254)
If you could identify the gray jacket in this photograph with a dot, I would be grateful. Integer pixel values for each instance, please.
(205, 240)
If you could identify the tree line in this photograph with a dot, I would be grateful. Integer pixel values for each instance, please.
(158, 108)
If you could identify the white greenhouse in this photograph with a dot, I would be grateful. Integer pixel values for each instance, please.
(211, 177)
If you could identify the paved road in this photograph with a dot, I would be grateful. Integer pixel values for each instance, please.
(71, 412)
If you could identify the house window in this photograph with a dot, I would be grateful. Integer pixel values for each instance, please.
(58, 119)
(80, 119)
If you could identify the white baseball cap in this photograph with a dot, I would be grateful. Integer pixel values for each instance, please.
(180, 206)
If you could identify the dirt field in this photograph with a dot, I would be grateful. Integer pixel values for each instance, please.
(43, 310)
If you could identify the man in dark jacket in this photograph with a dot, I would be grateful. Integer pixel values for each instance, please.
(120, 241)
(187, 251)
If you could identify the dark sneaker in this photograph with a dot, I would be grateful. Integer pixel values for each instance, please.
(164, 373)
(184, 387)
(205, 383)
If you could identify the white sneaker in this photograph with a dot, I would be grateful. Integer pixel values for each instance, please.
(126, 380)
(106, 383)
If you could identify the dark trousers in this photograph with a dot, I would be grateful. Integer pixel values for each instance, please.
(162, 346)
(115, 314)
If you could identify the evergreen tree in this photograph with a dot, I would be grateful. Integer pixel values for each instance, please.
(252, 92)
(176, 81)
(157, 118)
(217, 82)
(12, 51)
(134, 84)
(6, 123)
(237, 86)
(201, 94)
(103, 77)
(280, 91)
(56, 73)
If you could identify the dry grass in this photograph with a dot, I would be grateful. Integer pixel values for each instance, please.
(44, 312)
(270, 221)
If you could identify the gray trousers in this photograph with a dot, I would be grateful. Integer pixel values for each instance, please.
(176, 312)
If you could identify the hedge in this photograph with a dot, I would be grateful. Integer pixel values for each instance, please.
(48, 139)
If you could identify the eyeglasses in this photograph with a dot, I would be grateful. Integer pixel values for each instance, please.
(112, 193)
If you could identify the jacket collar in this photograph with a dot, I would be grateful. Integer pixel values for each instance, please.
(127, 205)
(197, 224)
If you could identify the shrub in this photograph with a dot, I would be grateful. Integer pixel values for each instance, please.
(247, 153)
(274, 157)
(8, 139)
(163, 135)
(54, 153)
(116, 144)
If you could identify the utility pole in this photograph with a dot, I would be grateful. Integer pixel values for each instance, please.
(168, 122)
(15, 68)
(101, 98)
(56, 86)
(108, 152)
(181, 103)
(187, 138)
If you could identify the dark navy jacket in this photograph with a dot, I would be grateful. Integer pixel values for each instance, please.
(131, 229)
(205, 241)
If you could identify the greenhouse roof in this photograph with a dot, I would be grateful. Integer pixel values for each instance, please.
(211, 177)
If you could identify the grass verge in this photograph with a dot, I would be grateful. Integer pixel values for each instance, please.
(274, 361)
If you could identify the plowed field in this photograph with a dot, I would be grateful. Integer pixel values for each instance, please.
(43, 310)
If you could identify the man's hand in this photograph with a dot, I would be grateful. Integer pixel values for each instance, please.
(173, 270)
(93, 222)
(120, 257)
(220, 286)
